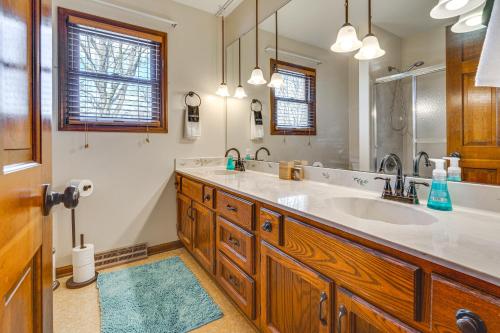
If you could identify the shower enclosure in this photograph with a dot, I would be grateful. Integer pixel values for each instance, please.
(409, 115)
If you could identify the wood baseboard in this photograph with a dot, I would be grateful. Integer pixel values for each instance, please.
(152, 250)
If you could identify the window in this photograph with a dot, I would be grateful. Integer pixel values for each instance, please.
(112, 75)
(293, 106)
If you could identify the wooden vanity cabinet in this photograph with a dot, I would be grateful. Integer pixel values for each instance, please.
(204, 236)
(184, 221)
(294, 298)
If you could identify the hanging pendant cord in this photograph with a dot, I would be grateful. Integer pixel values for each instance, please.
(276, 21)
(239, 60)
(346, 11)
(223, 53)
(369, 17)
(257, 33)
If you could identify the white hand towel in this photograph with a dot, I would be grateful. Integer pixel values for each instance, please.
(488, 74)
(192, 130)
(256, 131)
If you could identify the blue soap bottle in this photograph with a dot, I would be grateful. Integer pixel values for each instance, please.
(439, 196)
(230, 163)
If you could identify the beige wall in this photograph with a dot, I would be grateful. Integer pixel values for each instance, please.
(429, 46)
(134, 198)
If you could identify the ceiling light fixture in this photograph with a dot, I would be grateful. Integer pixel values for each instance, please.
(276, 78)
(371, 47)
(347, 38)
(257, 77)
(240, 91)
(451, 8)
(223, 91)
(470, 22)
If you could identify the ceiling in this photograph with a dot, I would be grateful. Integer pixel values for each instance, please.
(211, 6)
(317, 22)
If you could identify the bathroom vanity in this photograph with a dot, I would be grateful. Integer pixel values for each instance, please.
(299, 257)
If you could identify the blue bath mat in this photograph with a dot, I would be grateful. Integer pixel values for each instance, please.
(162, 297)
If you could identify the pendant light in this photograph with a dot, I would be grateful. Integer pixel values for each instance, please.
(276, 78)
(347, 38)
(240, 91)
(257, 77)
(470, 22)
(223, 91)
(371, 47)
(451, 8)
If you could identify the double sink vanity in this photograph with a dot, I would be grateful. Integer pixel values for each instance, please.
(316, 257)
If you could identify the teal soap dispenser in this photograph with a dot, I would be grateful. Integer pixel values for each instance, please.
(439, 197)
(230, 163)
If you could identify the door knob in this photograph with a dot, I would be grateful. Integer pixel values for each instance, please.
(69, 198)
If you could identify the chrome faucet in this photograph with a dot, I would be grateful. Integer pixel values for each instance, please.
(258, 150)
(238, 165)
(416, 162)
(400, 182)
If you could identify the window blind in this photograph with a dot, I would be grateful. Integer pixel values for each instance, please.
(112, 78)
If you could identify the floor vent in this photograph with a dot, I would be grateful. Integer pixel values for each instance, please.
(121, 255)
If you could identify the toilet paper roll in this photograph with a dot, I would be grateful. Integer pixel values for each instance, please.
(83, 257)
(84, 186)
(83, 273)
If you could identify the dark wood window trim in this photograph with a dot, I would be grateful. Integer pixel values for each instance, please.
(64, 15)
(311, 73)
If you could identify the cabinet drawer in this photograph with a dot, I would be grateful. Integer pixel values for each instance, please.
(271, 226)
(453, 303)
(192, 189)
(237, 244)
(236, 209)
(239, 286)
(388, 283)
(209, 196)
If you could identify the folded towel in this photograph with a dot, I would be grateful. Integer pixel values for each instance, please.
(256, 125)
(192, 123)
(488, 74)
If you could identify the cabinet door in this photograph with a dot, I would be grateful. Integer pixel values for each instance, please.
(355, 315)
(294, 298)
(185, 221)
(204, 236)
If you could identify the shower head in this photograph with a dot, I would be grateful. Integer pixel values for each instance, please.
(415, 65)
(392, 68)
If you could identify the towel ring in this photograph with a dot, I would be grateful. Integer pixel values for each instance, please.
(192, 94)
(256, 101)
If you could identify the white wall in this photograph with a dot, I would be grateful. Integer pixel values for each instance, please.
(428, 46)
(331, 144)
(134, 198)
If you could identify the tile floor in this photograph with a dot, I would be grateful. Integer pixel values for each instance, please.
(77, 311)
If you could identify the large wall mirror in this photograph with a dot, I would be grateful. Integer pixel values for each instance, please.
(339, 112)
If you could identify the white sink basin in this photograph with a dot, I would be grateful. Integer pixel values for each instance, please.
(225, 172)
(383, 211)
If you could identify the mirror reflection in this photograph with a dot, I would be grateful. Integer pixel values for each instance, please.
(324, 104)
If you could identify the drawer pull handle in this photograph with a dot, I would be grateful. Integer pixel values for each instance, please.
(267, 226)
(322, 299)
(233, 241)
(207, 197)
(231, 208)
(342, 313)
(234, 281)
(469, 322)
(189, 212)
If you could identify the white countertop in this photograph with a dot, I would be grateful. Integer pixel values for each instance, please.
(465, 238)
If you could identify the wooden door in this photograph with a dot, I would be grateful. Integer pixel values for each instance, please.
(25, 157)
(472, 112)
(294, 298)
(185, 221)
(204, 236)
(355, 315)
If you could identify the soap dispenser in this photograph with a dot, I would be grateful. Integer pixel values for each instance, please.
(439, 197)
(454, 171)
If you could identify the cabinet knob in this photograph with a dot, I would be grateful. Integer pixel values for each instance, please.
(207, 197)
(469, 322)
(267, 226)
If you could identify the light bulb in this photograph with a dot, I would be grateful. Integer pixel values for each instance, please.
(276, 81)
(370, 49)
(240, 92)
(257, 77)
(223, 91)
(456, 4)
(347, 40)
(474, 20)
(470, 22)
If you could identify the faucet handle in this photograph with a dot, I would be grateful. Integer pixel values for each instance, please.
(387, 186)
(412, 190)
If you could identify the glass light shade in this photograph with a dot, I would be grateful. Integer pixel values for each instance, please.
(370, 49)
(223, 91)
(276, 81)
(240, 93)
(469, 22)
(451, 8)
(347, 40)
(257, 77)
